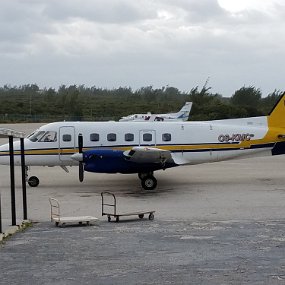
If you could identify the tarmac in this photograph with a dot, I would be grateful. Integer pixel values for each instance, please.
(219, 223)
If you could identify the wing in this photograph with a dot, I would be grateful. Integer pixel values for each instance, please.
(140, 154)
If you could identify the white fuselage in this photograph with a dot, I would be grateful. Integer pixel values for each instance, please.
(190, 142)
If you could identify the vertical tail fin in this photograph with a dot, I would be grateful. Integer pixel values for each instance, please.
(276, 117)
(185, 111)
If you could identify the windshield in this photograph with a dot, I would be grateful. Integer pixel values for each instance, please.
(36, 136)
(49, 137)
(43, 136)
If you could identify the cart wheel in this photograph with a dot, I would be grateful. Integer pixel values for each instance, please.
(80, 223)
(88, 223)
(63, 225)
(151, 216)
(56, 224)
(141, 216)
(109, 219)
(117, 219)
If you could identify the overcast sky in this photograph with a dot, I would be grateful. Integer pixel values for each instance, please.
(138, 43)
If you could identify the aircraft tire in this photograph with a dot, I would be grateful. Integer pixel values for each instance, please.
(149, 183)
(33, 181)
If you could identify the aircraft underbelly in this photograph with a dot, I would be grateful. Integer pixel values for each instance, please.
(213, 156)
(197, 157)
(46, 160)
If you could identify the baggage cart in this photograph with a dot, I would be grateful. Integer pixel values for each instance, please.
(59, 220)
(113, 211)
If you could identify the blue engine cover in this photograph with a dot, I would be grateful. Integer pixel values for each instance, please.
(114, 161)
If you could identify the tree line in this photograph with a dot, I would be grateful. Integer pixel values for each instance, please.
(29, 103)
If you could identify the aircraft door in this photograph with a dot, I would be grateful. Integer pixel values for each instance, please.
(66, 142)
(147, 138)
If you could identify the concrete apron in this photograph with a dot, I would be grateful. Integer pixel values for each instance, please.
(10, 230)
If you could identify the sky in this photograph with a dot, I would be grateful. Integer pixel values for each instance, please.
(139, 43)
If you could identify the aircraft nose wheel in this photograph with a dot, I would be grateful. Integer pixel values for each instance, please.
(149, 183)
(33, 181)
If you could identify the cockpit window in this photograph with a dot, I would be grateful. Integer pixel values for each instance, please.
(49, 137)
(36, 136)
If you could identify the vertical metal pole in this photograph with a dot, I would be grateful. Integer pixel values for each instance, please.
(23, 166)
(12, 178)
(0, 216)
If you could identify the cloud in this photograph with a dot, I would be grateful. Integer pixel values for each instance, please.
(111, 11)
(137, 43)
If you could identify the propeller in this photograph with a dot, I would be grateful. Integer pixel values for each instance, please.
(78, 156)
(80, 150)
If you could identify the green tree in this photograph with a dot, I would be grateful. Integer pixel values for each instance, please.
(268, 102)
(247, 96)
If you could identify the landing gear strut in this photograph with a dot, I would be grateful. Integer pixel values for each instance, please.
(148, 181)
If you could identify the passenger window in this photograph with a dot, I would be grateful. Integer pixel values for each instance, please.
(94, 137)
(66, 138)
(147, 137)
(166, 137)
(111, 137)
(129, 137)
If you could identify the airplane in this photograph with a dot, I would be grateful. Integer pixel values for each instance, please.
(145, 147)
(181, 115)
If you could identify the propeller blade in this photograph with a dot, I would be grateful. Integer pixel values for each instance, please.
(80, 143)
(80, 150)
(81, 171)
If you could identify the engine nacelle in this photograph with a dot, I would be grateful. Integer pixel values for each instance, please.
(114, 161)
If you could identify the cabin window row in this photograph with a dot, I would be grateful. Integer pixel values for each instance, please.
(129, 137)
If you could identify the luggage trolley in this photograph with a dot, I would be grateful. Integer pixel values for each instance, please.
(114, 213)
(59, 220)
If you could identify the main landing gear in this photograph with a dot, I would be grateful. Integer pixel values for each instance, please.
(148, 181)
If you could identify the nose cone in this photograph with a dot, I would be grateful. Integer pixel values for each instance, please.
(77, 156)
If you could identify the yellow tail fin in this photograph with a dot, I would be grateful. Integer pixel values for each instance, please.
(276, 117)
